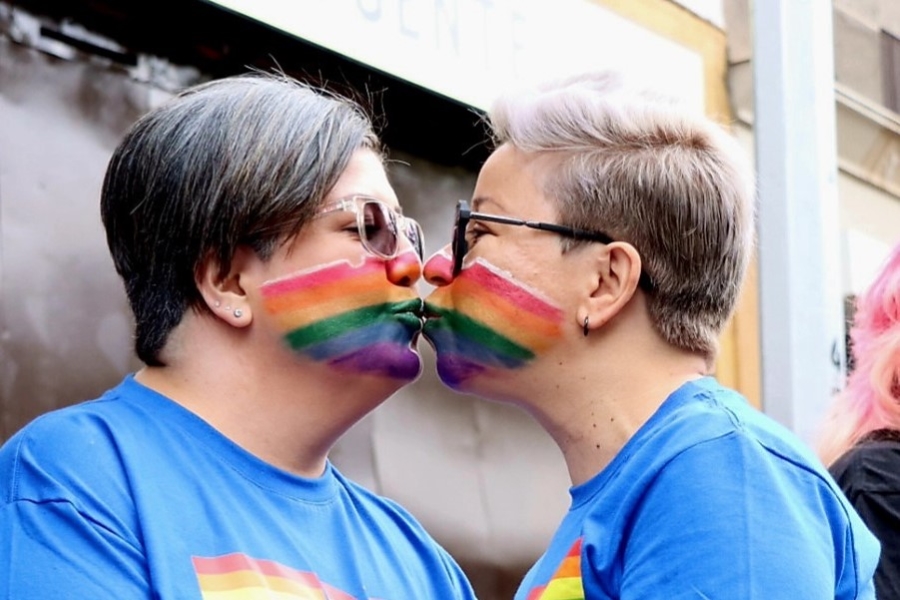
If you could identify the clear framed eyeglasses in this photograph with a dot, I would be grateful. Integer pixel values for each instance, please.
(379, 225)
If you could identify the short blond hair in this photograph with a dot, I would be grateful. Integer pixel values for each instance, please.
(643, 169)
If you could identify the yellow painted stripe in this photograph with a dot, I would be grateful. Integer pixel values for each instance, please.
(260, 593)
(565, 588)
(240, 581)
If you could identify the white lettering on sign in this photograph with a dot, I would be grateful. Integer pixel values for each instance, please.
(470, 50)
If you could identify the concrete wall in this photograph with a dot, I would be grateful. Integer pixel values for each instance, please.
(63, 317)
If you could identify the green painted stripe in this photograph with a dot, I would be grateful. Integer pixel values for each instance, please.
(332, 327)
(468, 327)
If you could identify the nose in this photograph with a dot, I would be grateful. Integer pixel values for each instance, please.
(405, 269)
(439, 268)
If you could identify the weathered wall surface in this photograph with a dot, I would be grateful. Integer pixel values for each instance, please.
(64, 324)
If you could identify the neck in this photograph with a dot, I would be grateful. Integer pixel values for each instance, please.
(597, 400)
(286, 412)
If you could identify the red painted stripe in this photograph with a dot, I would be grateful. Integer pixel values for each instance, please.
(321, 276)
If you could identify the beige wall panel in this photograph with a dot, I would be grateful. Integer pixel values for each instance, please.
(867, 12)
(857, 56)
(739, 28)
(868, 209)
(889, 16)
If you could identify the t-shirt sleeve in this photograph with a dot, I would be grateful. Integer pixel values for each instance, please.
(65, 529)
(727, 519)
(51, 550)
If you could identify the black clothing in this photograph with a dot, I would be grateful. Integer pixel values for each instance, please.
(869, 474)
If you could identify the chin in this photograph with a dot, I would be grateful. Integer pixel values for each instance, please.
(391, 361)
(457, 373)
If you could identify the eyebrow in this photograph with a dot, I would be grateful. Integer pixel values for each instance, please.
(478, 202)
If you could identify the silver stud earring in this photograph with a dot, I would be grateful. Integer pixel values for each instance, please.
(218, 304)
(238, 313)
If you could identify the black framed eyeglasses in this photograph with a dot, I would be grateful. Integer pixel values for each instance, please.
(379, 226)
(464, 214)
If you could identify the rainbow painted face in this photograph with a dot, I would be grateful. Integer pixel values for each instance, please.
(485, 321)
(349, 316)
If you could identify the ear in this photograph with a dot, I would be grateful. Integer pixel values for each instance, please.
(223, 292)
(616, 271)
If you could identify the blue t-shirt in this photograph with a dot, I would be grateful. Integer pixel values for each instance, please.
(709, 499)
(132, 496)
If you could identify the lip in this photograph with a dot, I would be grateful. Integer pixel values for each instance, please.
(429, 313)
(413, 306)
(412, 319)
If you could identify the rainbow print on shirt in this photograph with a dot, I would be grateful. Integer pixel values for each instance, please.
(484, 320)
(239, 577)
(566, 582)
(350, 316)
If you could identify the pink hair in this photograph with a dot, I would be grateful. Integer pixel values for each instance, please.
(871, 399)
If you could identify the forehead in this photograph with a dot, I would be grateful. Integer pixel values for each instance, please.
(512, 181)
(365, 175)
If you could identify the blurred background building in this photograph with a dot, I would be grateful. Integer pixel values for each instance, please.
(491, 486)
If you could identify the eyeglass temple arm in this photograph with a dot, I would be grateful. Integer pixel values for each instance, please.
(644, 280)
(560, 229)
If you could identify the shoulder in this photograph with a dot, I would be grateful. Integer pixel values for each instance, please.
(709, 418)
(715, 436)
(871, 466)
(63, 450)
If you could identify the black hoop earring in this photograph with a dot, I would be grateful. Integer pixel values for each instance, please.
(585, 329)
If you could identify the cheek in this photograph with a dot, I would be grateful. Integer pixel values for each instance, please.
(488, 319)
(349, 316)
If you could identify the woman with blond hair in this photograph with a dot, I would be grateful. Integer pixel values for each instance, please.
(588, 282)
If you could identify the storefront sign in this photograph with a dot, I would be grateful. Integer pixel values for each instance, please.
(469, 50)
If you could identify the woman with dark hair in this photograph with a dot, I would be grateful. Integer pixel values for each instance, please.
(270, 271)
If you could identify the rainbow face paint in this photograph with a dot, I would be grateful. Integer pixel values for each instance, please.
(486, 320)
(351, 317)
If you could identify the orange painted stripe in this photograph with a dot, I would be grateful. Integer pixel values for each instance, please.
(569, 567)
(319, 310)
(238, 570)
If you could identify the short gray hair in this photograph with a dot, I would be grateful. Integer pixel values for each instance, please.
(644, 170)
(244, 160)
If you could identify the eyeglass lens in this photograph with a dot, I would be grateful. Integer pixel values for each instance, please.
(416, 237)
(381, 228)
(460, 246)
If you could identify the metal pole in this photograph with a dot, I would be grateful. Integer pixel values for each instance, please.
(802, 339)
